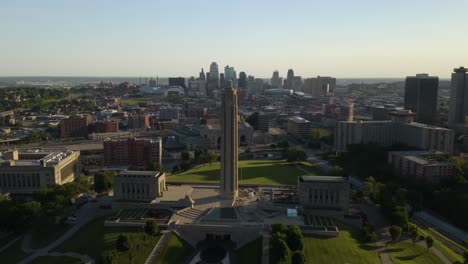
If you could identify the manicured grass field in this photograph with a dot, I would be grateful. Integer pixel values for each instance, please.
(250, 253)
(55, 260)
(446, 251)
(176, 251)
(407, 252)
(93, 239)
(13, 253)
(268, 172)
(342, 249)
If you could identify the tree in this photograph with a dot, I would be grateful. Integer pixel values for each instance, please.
(400, 195)
(414, 235)
(156, 166)
(465, 256)
(283, 144)
(298, 257)
(279, 227)
(279, 251)
(368, 233)
(429, 241)
(295, 239)
(108, 257)
(122, 243)
(400, 216)
(176, 169)
(336, 171)
(395, 232)
(185, 155)
(151, 228)
(296, 155)
(103, 181)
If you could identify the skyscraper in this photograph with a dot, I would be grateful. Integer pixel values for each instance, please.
(229, 145)
(202, 75)
(458, 105)
(230, 74)
(276, 81)
(421, 97)
(242, 83)
(214, 73)
(288, 83)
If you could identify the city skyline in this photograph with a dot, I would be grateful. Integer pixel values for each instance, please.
(350, 40)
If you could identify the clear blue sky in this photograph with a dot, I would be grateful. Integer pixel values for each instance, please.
(347, 38)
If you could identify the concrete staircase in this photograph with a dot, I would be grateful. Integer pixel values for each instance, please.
(191, 213)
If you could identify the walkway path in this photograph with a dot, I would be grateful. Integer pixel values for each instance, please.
(266, 249)
(157, 249)
(7, 245)
(86, 214)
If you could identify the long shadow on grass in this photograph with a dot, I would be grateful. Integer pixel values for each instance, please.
(412, 257)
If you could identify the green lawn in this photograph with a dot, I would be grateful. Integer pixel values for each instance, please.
(407, 252)
(56, 260)
(269, 172)
(339, 250)
(175, 251)
(446, 251)
(250, 253)
(43, 235)
(94, 238)
(13, 253)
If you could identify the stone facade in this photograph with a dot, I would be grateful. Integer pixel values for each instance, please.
(323, 193)
(143, 186)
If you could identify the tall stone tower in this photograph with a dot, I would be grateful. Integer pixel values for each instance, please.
(229, 145)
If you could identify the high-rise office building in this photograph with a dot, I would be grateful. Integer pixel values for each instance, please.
(289, 82)
(178, 81)
(229, 146)
(458, 105)
(320, 86)
(242, 82)
(421, 97)
(230, 74)
(276, 81)
(214, 72)
(202, 75)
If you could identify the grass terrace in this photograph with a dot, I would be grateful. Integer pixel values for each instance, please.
(175, 251)
(94, 238)
(265, 172)
(342, 249)
(407, 252)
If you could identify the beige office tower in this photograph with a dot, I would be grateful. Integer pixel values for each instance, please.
(229, 145)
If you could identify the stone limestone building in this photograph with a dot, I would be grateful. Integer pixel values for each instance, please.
(213, 132)
(27, 171)
(400, 130)
(139, 186)
(229, 145)
(324, 193)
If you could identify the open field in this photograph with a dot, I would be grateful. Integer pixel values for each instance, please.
(13, 253)
(407, 252)
(342, 249)
(93, 239)
(176, 251)
(267, 172)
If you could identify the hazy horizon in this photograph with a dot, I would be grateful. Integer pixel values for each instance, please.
(357, 39)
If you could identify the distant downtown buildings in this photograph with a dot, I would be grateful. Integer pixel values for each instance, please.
(458, 105)
(421, 97)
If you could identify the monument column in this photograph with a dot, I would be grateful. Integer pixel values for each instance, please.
(229, 145)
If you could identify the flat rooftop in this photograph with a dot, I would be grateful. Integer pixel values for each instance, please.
(335, 179)
(34, 157)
